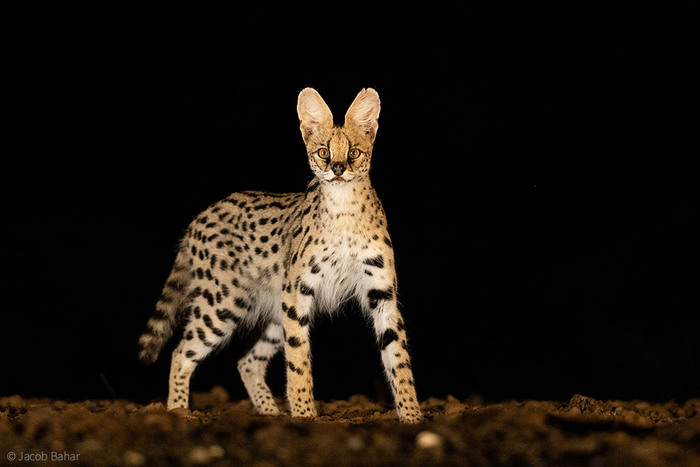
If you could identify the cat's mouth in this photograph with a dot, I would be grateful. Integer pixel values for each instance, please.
(339, 178)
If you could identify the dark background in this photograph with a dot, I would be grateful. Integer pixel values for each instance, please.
(537, 166)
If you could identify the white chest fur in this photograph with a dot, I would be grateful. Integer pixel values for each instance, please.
(350, 220)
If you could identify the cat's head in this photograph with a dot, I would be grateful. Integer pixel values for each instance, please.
(339, 154)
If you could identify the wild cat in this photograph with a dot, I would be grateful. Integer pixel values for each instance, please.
(278, 260)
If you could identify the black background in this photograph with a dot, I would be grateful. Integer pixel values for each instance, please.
(536, 164)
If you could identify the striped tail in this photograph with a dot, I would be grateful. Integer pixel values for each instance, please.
(167, 314)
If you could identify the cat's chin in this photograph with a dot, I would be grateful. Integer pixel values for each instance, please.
(338, 180)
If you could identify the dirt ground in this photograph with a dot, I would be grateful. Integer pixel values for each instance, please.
(581, 431)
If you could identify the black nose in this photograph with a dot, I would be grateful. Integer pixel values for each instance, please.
(338, 168)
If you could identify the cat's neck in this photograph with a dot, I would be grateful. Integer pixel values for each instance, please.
(345, 197)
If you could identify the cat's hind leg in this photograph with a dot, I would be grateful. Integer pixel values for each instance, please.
(253, 367)
(209, 326)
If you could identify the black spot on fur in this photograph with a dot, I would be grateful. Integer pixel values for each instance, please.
(375, 295)
(387, 338)
(377, 261)
(225, 315)
(210, 298)
(305, 289)
(312, 187)
(294, 368)
(292, 314)
(210, 324)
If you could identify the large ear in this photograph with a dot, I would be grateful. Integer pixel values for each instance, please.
(313, 112)
(364, 112)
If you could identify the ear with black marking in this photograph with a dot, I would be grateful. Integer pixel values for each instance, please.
(314, 114)
(364, 112)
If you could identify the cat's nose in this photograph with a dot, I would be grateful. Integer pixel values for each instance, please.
(338, 168)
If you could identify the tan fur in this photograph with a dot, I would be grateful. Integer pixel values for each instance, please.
(281, 259)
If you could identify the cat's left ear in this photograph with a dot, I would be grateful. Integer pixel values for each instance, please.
(364, 112)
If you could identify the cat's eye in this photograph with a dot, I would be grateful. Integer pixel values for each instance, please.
(323, 153)
(354, 153)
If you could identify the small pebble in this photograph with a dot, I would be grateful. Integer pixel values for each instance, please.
(134, 458)
(180, 412)
(59, 405)
(154, 407)
(90, 446)
(428, 440)
(205, 454)
(216, 451)
(355, 443)
(131, 407)
(92, 406)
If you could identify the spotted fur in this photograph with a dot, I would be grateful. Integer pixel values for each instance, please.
(281, 259)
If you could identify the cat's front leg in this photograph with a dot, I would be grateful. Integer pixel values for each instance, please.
(393, 345)
(297, 300)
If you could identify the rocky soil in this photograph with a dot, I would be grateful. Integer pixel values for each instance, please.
(581, 431)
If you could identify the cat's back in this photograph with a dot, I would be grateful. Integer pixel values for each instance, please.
(245, 213)
(247, 232)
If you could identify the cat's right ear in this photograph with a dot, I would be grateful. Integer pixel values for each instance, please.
(314, 114)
